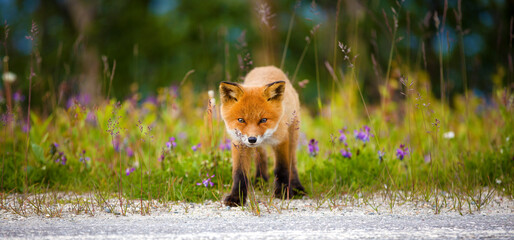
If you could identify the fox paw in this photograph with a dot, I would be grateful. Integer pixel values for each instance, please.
(233, 201)
(299, 191)
(282, 191)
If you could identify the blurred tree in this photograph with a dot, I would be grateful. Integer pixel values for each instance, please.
(82, 14)
(156, 42)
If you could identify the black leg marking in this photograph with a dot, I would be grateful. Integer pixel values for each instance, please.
(283, 185)
(237, 196)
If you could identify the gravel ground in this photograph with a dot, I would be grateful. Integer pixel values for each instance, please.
(296, 219)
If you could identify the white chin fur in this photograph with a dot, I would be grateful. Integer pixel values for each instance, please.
(268, 138)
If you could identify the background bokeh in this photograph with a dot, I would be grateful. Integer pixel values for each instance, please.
(156, 42)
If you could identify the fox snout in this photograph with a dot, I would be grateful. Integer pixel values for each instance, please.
(252, 139)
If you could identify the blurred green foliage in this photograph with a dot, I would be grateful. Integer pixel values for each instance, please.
(156, 42)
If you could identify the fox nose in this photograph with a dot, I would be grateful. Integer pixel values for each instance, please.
(252, 139)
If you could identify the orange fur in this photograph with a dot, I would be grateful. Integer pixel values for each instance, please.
(262, 111)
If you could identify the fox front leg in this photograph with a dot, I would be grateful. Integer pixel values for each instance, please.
(241, 160)
(261, 164)
(287, 183)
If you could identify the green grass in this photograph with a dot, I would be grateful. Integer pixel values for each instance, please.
(453, 165)
(479, 156)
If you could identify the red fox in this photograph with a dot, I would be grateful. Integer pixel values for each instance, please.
(264, 110)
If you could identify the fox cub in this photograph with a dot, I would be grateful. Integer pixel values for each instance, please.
(264, 110)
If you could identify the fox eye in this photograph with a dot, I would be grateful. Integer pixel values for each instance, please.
(263, 120)
(241, 120)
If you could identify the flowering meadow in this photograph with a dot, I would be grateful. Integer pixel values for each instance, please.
(170, 147)
(396, 136)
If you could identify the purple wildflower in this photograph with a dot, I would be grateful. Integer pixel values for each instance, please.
(25, 127)
(173, 91)
(346, 153)
(381, 155)
(71, 102)
(5, 118)
(64, 160)
(171, 144)
(206, 182)
(226, 146)
(196, 147)
(427, 158)
(161, 158)
(82, 99)
(116, 144)
(83, 157)
(18, 97)
(342, 135)
(152, 100)
(128, 171)
(91, 118)
(363, 134)
(402, 151)
(130, 152)
(59, 157)
(313, 147)
(53, 148)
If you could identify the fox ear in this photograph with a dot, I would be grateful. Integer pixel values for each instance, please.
(275, 91)
(230, 92)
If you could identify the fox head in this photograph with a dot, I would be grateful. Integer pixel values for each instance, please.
(252, 113)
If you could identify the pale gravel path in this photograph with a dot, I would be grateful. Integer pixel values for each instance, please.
(266, 227)
(297, 221)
